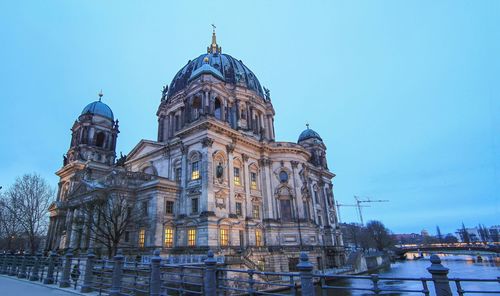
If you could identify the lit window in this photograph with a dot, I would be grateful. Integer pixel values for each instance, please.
(256, 212)
(258, 237)
(194, 206)
(253, 179)
(238, 209)
(169, 237)
(195, 170)
(142, 238)
(224, 237)
(192, 237)
(237, 180)
(169, 207)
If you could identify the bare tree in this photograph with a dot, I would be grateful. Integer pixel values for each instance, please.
(28, 200)
(10, 230)
(111, 217)
(379, 234)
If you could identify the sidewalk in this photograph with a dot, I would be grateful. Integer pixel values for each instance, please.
(11, 286)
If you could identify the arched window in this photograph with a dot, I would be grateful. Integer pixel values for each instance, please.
(218, 109)
(195, 166)
(237, 173)
(99, 139)
(286, 210)
(196, 108)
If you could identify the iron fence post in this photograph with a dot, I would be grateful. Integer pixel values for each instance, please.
(439, 277)
(22, 270)
(50, 270)
(87, 277)
(155, 280)
(116, 280)
(64, 283)
(36, 267)
(210, 281)
(306, 277)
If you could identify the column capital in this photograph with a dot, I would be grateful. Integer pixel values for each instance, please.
(207, 142)
(230, 148)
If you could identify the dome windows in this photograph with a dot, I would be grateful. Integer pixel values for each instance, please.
(99, 139)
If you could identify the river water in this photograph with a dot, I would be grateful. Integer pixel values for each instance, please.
(461, 266)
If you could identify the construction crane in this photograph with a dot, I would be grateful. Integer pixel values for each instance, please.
(367, 199)
(343, 205)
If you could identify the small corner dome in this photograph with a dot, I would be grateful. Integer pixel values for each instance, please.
(309, 134)
(98, 108)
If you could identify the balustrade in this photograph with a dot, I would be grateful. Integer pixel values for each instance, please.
(161, 277)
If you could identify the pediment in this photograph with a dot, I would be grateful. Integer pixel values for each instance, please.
(144, 147)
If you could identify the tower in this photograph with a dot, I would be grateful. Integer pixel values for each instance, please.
(94, 135)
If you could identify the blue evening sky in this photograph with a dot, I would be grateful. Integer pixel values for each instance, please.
(404, 93)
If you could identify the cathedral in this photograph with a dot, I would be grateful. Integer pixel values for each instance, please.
(215, 178)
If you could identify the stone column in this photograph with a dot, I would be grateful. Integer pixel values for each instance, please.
(230, 165)
(206, 204)
(74, 232)
(296, 200)
(69, 227)
(92, 236)
(268, 204)
(160, 128)
(246, 172)
(185, 209)
(85, 231)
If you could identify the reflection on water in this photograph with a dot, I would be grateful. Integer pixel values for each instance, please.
(461, 266)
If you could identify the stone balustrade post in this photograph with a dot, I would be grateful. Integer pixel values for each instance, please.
(210, 280)
(24, 262)
(306, 277)
(36, 267)
(65, 281)
(116, 280)
(155, 280)
(14, 264)
(439, 276)
(88, 276)
(50, 270)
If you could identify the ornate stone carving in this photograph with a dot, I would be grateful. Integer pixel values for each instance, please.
(294, 163)
(220, 198)
(265, 162)
(244, 157)
(230, 148)
(207, 142)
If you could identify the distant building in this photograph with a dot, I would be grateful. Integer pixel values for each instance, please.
(215, 178)
(477, 234)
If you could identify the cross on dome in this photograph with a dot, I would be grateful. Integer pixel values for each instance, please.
(214, 48)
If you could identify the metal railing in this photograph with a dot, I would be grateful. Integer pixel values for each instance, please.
(161, 277)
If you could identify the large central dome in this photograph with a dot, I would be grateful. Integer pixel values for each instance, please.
(223, 66)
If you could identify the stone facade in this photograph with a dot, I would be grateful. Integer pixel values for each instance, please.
(216, 178)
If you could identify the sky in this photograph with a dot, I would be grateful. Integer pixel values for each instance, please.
(405, 94)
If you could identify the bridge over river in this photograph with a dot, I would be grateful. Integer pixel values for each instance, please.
(458, 248)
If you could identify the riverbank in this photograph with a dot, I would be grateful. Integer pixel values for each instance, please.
(367, 262)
